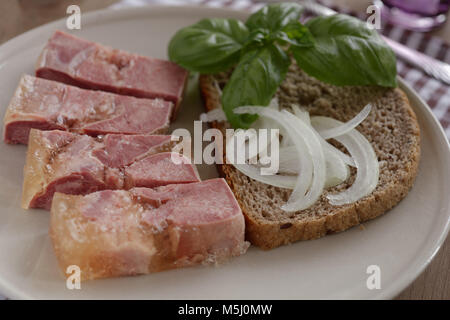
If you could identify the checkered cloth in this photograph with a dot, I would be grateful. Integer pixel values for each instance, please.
(436, 93)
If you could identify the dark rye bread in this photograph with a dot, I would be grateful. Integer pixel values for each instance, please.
(391, 128)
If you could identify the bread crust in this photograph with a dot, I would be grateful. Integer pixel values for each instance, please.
(268, 234)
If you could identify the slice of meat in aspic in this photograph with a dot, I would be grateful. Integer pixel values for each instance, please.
(60, 161)
(49, 105)
(90, 65)
(120, 233)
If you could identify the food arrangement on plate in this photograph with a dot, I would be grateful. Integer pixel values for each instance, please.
(95, 120)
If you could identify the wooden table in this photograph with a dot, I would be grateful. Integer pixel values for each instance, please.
(18, 16)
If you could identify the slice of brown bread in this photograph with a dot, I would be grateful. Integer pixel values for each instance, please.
(391, 128)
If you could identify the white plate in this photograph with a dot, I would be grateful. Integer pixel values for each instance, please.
(401, 243)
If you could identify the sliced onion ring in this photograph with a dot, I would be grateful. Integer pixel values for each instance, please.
(301, 113)
(312, 162)
(343, 128)
(329, 147)
(365, 159)
(304, 116)
(253, 171)
(213, 115)
(305, 161)
(336, 160)
(337, 171)
(281, 181)
(319, 168)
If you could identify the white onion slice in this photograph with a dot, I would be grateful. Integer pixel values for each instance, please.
(252, 144)
(336, 170)
(213, 115)
(254, 172)
(343, 128)
(282, 181)
(305, 160)
(365, 159)
(312, 139)
(312, 162)
(336, 160)
(267, 123)
(329, 147)
(301, 113)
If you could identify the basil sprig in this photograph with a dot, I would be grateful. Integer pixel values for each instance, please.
(254, 82)
(337, 49)
(346, 52)
(274, 16)
(209, 46)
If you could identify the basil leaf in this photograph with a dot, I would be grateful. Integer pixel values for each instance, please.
(254, 81)
(257, 37)
(274, 16)
(296, 34)
(209, 46)
(347, 52)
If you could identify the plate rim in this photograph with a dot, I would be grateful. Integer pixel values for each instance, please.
(100, 16)
(408, 278)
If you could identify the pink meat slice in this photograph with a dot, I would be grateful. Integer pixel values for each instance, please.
(59, 161)
(165, 170)
(119, 233)
(90, 65)
(138, 119)
(121, 150)
(192, 211)
(49, 105)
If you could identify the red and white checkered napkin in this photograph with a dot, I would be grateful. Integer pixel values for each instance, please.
(434, 92)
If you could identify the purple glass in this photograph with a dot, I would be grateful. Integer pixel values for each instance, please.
(418, 15)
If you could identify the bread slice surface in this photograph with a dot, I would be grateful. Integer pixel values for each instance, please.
(391, 128)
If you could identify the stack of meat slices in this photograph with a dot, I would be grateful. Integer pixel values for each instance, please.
(121, 201)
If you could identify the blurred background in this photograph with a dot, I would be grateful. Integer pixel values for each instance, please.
(17, 16)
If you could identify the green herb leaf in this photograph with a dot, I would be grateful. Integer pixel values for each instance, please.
(296, 34)
(274, 16)
(209, 46)
(257, 38)
(254, 82)
(347, 52)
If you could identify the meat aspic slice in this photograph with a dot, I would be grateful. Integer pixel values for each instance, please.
(90, 65)
(122, 233)
(49, 105)
(60, 161)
